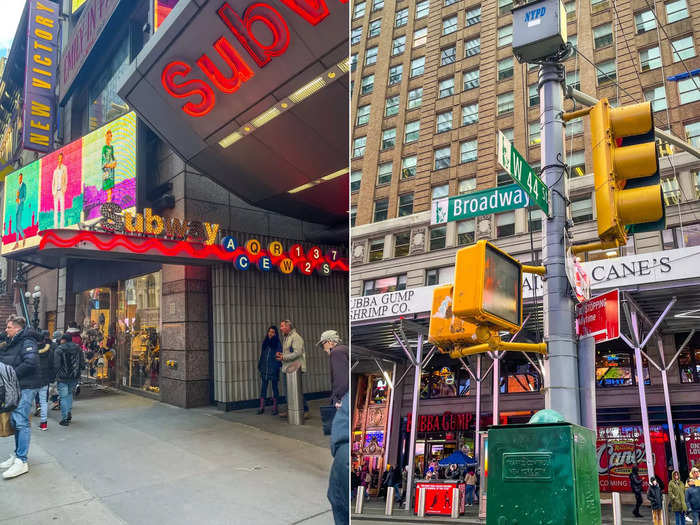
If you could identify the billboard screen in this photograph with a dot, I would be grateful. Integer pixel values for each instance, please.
(75, 5)
(68, 186)
(502, 287)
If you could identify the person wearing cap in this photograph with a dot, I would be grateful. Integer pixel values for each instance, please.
(45, 351)
(339, 361)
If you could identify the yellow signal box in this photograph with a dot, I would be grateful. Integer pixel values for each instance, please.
(488, 287)
(628, 193)
(446, 330)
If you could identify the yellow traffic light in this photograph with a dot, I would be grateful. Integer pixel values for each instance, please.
(488, 287)
(446, 330)
(628, 192)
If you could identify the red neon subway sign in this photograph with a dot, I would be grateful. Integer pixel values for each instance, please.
(260, 29)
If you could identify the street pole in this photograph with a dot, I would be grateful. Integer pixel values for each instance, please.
(586, 378)
(390, 416)
(477, 449)
(496, 388)
(414, 422)
(642, 397)
(562, 392)
(667, 402)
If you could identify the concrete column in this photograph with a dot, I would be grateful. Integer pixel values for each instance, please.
(185, 336)
(451, 234)
(65, 301)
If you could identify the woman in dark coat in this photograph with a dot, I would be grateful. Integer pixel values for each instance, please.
(269, 368)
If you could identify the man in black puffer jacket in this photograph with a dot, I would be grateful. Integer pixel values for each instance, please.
(68, 362)
(45, 351)
(21, 354)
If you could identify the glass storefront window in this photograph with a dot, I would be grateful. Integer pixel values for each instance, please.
(617, 369)
(689, 365)
(380, 390)
(444, 381)
(95, 318)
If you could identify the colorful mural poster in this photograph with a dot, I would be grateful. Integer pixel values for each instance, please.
(21, 205)
(61, 199)
(109, 166)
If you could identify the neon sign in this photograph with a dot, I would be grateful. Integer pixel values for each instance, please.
(263, 33)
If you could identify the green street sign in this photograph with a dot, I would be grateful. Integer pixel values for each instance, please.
(485, 202)
(513, 162)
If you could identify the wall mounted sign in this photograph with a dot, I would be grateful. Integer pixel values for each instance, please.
(599, 317)
(445, 422)
(40, 76)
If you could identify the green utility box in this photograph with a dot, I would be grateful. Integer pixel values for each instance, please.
(542, 474)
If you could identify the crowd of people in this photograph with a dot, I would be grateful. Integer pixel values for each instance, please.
(683, 498)
(30, 361)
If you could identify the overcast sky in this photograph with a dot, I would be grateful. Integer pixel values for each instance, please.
(9, 18)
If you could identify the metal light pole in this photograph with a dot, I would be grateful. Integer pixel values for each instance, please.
(562, 393)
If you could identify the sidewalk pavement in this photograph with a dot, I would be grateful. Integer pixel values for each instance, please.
(373, 513)
(126, 459)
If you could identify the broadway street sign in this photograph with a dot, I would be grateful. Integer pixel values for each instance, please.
(514, 163)
(484, 202)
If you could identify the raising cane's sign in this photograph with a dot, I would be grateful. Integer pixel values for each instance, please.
(616, 457)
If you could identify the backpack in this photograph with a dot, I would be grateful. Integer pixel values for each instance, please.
(69, 366)
(9, 388)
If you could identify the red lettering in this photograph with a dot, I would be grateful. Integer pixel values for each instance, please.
(243, 29)
(461, 423)
(188, 88)
(446, 421)
(422, 424)
(313, 11)
(240, 72)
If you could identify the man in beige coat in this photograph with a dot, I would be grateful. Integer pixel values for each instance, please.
(292, 356)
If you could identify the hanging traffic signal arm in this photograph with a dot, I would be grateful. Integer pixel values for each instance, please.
(538, 270)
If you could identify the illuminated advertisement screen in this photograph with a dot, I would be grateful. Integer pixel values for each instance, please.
(68, 186)
(501, 286)
(161, 10)
(76, 4)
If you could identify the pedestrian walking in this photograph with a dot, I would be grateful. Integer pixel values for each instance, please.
(69, 361)
(655, 499)
(692, 500)
(676, 498)
(338, 486)
(636, 485)
(339, 364)
(394, 480)
(269, 368)
(45, 352)
(292, 356)
(470, 486)
(21, 354)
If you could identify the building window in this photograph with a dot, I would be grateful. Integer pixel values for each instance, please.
(367, 84)
(688, 90)
(473, 16)
(371, 56)
(472, 47)
(465, 232)
(439, 192)
(435, 276)
(376, 250)
(504, 103)
(408, 167)
(677, 10)
(683, 48)
(573, 40)
(466, 186)
(442, 158)
(505, 224)
(353, 216)
(534, 219)
(570, 8)
(470, 79)
(577, 164)
(671, 189)
(689, 363)
(438, 238)
(533, 96)
(355, 35)
(468, 151)
(420, 37)
(657, 97)
(606, 72)
(417, 66)
(398, 45)
(503, 179)
(375, 27)
(358, 146)
(602, 36)
(533, 134)
(391, 107)
(411, 131)
(507, 133)
(395, 73)
(384, 173)
(650, 58)
(644, 21)
(505, 68)
(388, 138)
(363, 115)
(504, 6)
(355, 180)
(696, 181)
(422, 9)
(598, 5)
(470, 114)
(446, 87)
(449, 2)
(444, 121)
(381, 210)
(692, 133)
(581, 210)
(449, 25)
(574, 127)
(415, 98)
(405, 204)
(448, 55)
(402, 241)
(353, 62)
(384, 285)
(359, 10)
(377, 5)
(505, 35)
(401, 18)
(572, 79)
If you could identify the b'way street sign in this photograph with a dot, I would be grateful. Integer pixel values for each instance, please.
(600, 317)
(513, 162)
(484, 202)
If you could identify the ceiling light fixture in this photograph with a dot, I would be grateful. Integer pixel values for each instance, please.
(344, 65)
(303, 187)
(307, 90)
(265, 117)
(230, 139)
(335, 174)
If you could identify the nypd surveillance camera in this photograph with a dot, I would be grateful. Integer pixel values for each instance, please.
(539, 30)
